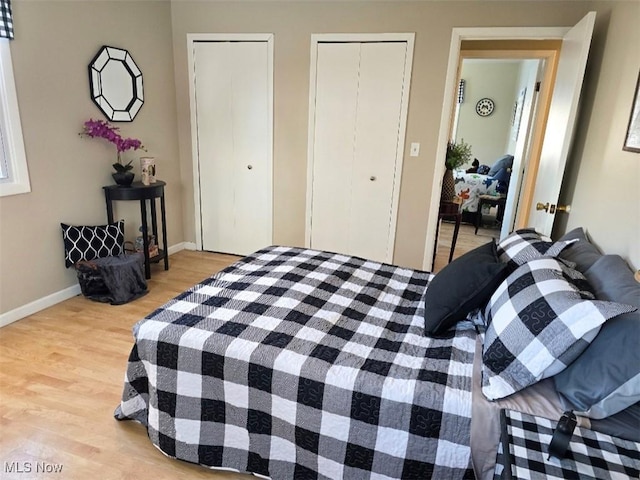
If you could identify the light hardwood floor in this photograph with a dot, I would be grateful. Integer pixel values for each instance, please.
(61, 377)
(467, 240)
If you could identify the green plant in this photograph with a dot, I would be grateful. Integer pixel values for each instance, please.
(457, 154)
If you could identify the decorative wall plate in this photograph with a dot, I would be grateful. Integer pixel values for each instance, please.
(485, 107)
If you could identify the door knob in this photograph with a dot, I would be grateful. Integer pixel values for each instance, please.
(542, 206)
(560, 208)
(372, 178)
(249, 167)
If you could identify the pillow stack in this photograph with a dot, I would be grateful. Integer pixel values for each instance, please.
(539, 322)
(541, 318)
(551, 309)
(605, 379)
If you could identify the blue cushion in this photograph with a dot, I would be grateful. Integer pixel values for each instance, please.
(605, 379)
(503, 162)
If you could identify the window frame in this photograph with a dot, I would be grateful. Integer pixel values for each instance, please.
(17, 180)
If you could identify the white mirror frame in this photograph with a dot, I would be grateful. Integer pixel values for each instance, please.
(116, 84)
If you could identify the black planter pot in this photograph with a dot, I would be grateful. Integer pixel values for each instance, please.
(124, 179)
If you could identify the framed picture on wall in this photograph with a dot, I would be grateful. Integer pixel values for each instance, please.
(632, 140)
(517, 114)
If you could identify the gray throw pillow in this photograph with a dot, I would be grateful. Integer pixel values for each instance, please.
(581, 252)
(605, 378)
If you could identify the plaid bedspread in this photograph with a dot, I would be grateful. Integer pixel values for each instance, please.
(522, 453)
(301, 364)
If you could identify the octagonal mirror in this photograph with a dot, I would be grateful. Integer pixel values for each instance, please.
(116, 84)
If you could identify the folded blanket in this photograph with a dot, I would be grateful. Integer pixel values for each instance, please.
(116, 280)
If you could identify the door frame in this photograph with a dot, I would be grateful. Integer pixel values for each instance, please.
(193, 38)
(457, 36)
(409, 38)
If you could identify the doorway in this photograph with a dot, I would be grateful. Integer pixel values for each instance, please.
(554, 118)
(515, 76)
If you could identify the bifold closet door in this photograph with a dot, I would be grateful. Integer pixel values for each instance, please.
(359, 92)
(234, 145)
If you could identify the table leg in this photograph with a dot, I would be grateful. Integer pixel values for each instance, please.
(164, 232)
(435, 245)
(154, 222)
(107, 198)
(455, 236)
(478, 217)
(145, 239)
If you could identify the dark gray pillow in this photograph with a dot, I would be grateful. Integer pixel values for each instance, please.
(583, 253)
(605, 378)
(503, 162)
(463, 285)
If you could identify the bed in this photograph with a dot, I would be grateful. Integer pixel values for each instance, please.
(297, 363)
(469, 186)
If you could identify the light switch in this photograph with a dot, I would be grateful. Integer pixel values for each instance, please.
(415, 149)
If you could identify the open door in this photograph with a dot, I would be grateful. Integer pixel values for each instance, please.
(539, 212)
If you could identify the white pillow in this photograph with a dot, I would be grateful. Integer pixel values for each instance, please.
(539, 320)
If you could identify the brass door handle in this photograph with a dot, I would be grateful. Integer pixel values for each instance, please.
(559, 208)
(542, 206)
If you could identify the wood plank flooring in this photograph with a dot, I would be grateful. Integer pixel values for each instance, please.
(61, 377)
(467, 240)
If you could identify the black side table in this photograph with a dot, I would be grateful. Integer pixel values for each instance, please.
(493, 201)
(142, 192)
(449, 210)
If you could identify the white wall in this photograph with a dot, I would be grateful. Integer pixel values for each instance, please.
(67, 172)
(494, 79)
(528, 70)
(601, 182)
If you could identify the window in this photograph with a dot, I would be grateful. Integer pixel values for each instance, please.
(14, 176)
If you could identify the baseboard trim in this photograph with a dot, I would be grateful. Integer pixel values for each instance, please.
(38, 305)
(70, 292)
(181, 246)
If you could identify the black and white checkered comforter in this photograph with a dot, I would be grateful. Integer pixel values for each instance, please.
(302, 364)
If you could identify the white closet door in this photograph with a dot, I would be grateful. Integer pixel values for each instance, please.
(358, 103)
(376, 146)
(234, 145)
(336, 101)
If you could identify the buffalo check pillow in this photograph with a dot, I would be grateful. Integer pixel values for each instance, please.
(526, 244)
(83, 242)
(539, 320)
